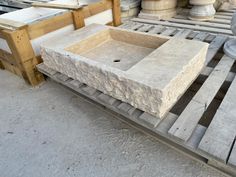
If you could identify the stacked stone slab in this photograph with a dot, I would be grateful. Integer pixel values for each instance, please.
(158, 9)
(202, 10)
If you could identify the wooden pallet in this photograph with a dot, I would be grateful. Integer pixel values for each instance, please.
(202, 124)
(220, 24)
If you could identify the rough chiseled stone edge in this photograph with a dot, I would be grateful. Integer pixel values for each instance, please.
(116, 84)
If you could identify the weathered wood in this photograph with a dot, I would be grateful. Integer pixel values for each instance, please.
(201, 28)
(13, 69)
(215, 20)
(43, 27)
(131, 116)
(57, 6)
(188, 120)
(232, 157)
(220, 135)
(201, 36)
(183, 33)
(7, 57)
(11, 24)
(26, 64)
(206, 24)
(145, 28)
(1, 65)
(168, 31)
(223, 17)
(116, 12)
(214, 47)
(19, 43)
(157, 29)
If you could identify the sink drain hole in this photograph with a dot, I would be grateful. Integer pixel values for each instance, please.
(116, 61)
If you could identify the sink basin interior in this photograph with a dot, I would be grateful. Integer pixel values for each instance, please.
(117, 48)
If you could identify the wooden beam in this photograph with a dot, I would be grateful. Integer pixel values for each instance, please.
(57, 6)
(116, 12)
(46, 26)
(95, 8)
(219, 138)
(189, 118)
(78, 18)
(7, 57)
(19, 43)
(11, 24)
(1, 65)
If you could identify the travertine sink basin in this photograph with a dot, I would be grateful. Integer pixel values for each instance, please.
(147, 71)
(116, 48)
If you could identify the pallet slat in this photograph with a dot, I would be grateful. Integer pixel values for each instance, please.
(206, 24)
(188, 120)
(232, 158)
(168, 31)
(220, 135)
(183, 33)
(176, 25)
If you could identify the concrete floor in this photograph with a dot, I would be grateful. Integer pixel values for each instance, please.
(48, 131)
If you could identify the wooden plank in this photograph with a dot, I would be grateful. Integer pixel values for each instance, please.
(201, 36)
(78, 18)
(232, 158)
(7, 57)
(97, 7)
(223, 17)
(116, 12)
(215, 20)
(1, 65)
(136, 26)
(188, 120)
(19, 43)
(57, 6)
(168, 31)
(206, 24)
(13, 69)
(210, 38)
(157, 29)
(214, 47)
(183, 33)
(11, 24)
(166, 23)
(145, 28)
(220, 135)
(48, 25)
(207, 71)
(225, 13)
(43, 27)
(221, 21)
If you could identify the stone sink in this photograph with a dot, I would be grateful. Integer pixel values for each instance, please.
(150, 72)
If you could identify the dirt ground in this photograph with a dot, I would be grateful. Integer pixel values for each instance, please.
(49, 132)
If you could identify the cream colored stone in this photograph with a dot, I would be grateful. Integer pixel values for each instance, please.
(150, 72)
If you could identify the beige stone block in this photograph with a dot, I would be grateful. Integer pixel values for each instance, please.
(149, 72)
